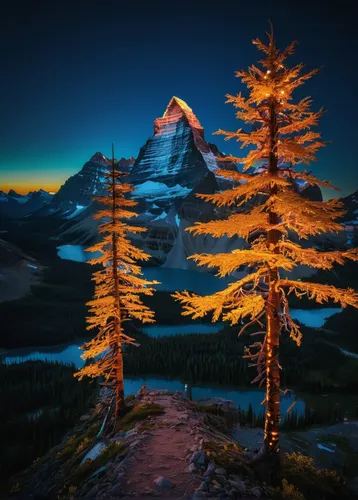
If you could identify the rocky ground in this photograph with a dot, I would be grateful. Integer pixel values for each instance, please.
(177, 451)
(169, 447)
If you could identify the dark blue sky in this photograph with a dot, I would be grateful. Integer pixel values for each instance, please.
(77, 76)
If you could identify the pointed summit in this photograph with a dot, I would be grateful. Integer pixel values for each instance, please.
(177, 153)
(176, 106)
(99, 159)
(176, 111)
(13, 193)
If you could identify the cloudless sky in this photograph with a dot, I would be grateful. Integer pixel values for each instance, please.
(77, 76)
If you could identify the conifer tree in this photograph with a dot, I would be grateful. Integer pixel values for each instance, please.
(279, 217)
(117, 288)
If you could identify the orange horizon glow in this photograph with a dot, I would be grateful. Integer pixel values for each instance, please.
(24, 189)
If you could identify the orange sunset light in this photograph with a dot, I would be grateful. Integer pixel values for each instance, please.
(22, 188)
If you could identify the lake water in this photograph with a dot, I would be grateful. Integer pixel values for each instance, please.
(169, 330)
(70, 354)
(314, 318)
(170, 279)
(198, 282)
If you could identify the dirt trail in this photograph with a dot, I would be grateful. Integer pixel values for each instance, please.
(164, 452)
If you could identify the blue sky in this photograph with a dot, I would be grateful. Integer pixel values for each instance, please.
(77, 76)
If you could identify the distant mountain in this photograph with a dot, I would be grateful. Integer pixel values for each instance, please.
(173, 165)
(351, 206)
(350, 219)
(13, 193)
(73, 203)
(18, 271)
(16, 205)
(77, 192)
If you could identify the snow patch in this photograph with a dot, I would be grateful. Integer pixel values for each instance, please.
(32, 266)
(163, 215)
(348, 353)
(79, 209)
(322, 447)
(159, 190)
(21, 199)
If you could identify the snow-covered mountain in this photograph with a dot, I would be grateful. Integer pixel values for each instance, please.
(177, 155)
(350, 219)
(73, 203)
(76, 194)
(16, 205)
(173, 165)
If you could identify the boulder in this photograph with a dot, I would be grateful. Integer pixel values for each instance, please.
(163, 482)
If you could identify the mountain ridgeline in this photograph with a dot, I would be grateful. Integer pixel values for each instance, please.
(174, 164)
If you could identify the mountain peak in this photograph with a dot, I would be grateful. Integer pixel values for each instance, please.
(13, 193)
(176, 106)
(100, 159)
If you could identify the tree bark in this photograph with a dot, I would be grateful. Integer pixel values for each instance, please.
(271, 448)
(119, 377)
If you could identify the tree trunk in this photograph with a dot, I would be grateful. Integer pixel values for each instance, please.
(118, 364)
(271, 448)
(119, 382)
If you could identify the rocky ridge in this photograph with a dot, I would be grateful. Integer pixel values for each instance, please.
(169, 447)
(176, 452)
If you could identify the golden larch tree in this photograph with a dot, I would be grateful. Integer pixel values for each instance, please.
(272, 218)
(118, 287)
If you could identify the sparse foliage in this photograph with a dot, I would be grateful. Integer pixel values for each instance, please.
(275, 212)
(118, 287)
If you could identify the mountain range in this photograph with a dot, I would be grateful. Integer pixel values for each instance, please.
(174, 164)
(16, 205)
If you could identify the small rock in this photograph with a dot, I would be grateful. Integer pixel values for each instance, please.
(93, 492)
(221, 471)
(192, 468)
(235, 477)
(222, 481)
(83, 418)
(238, 485)
(218, 490)
(256, 491)
(199, 494)
(131, 433)
(94, 452)
(210, 468)
(116, 489)
(163, 482)
(233, 494)
(134, 443)
(199, 457)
